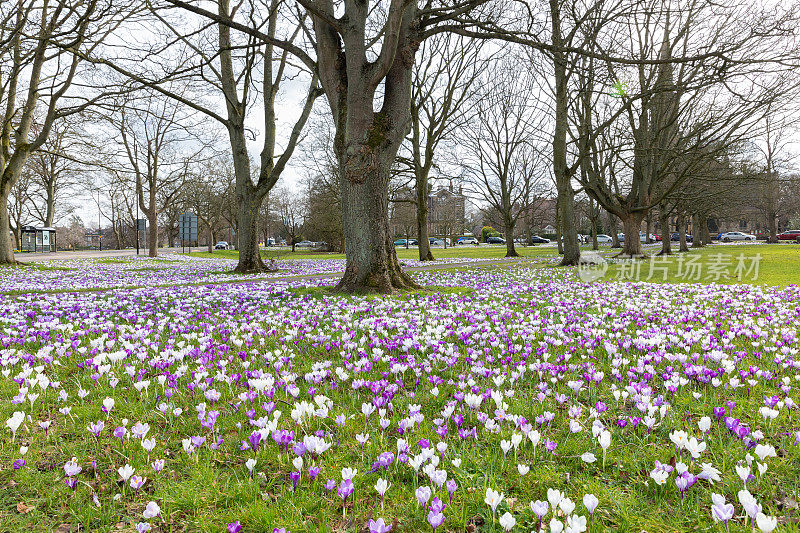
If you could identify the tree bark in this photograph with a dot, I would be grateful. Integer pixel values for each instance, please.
(152, 220)
(372, 264)
(697, 237)
(423, 245)
(684, 247)
(249, 204)
(663, 222)
(51, 202)
(772, 224)
(6, 245)
(612, 224)
(559, 234)
(704, 230)
(631, 225)
(508, 226)
(566, 194)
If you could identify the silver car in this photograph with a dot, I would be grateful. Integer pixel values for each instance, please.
(737, 236)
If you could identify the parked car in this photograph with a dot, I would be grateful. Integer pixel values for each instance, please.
(642, 237)
(467, 240)
(400, 242)
(221, 245)
(413, 242)
(496, 240)
(305, 244)
(790, 235)
(737, 236)
(535, 239)
(604, 239)
(675, 237)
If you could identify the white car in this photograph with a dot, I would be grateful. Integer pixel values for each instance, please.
(737, 236)
(604, 239)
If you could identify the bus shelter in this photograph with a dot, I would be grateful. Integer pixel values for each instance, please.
(36, 239)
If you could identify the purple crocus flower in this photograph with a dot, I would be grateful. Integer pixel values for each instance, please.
(423, 495)
(346, 488)
(379, 526)
(451, 488)
(435, 519)
(234, 527)
(295, 477)
(685, 481)
(313, 472)
(19, 463)
(330, 485)
(72, 468)
(254, 439)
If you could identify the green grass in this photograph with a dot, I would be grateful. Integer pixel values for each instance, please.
(778, 264)
(206, 491)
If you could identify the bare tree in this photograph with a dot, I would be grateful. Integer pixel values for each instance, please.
(54, 169)
(41, 51)
(774, 149)
(289, 212)
(242, 70)
(685, 114)
(159, 142)
(207, 192)
(499, 158)
(443, 79)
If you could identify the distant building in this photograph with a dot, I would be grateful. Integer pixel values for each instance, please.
(446, 212)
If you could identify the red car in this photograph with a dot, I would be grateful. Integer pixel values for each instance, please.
(790, 235)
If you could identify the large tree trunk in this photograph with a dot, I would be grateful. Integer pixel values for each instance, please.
(565, 200)
(569, 232)
(772, 224)
(697, 236)
(704, 230)
(559, 234)
(51, 203)
(663, 222)
(249, 204)
(508, 226)
(372, 264)
(681, 222)
(17, 238)
(6, 245)
(631, 225)
(424, 245)
(612, 226)
(152, 220)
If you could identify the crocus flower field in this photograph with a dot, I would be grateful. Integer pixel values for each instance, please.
(512, 398)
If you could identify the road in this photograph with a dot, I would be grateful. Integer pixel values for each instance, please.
(88, 254)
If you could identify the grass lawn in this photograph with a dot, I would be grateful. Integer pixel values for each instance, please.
(503, 377)
(759, 264)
